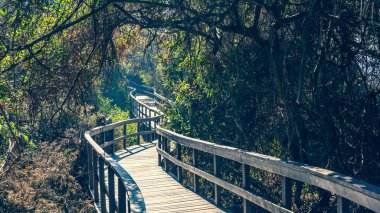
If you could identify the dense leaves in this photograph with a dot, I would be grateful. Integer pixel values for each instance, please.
(295, 79)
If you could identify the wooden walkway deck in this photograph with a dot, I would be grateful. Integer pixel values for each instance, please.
(139, 184)
(160, 191)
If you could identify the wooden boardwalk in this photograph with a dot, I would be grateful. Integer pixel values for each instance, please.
(138, 184)
(157, 190)
(160, 191)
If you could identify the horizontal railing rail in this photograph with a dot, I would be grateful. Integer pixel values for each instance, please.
(344, 187)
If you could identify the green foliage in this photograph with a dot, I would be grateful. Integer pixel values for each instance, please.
(112, 111)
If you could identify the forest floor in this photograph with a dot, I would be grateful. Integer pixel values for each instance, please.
(50, 178)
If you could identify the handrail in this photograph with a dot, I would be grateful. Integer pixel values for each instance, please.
(344, 187)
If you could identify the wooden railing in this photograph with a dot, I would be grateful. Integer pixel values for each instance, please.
(345, 188)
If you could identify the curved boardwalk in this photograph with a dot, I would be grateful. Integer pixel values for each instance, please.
(160, 191)
(131, 180)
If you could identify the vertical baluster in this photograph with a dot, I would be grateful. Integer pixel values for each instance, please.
(125, 135)
(139, 111)
(159, 145)
(134, 108)
(102, 186)
(166, 149)
(146, 124)
(111, 190)
(95, 174)
(138, 131)
(196, 177)
(155, 127)
(342, 204)
(111, 137)
(150, 126)
(89, 164)
(146, 113)
(216, 173)
(246, 185)
(179, 168)
(131, 110)
(122, 197)
(286, 192)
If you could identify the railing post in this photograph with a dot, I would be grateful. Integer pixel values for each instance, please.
(155, 127)
(130, 107)
(89, 165)
(179, 168)
(109, 136)
(95, 174)
(216, 173)
(196, 178)
(146, 124)
(146, 112)
(286, 192)
(165, 140)
(159, 145)
(111, 190)
(138, 131)
(139, 109)
(125, 134)
(246, 185)
(150, 126)
(146, 129)
(342, 204)
(102, 186)
(122, 197)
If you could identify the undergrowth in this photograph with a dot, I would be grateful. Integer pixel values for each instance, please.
(50, 178)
